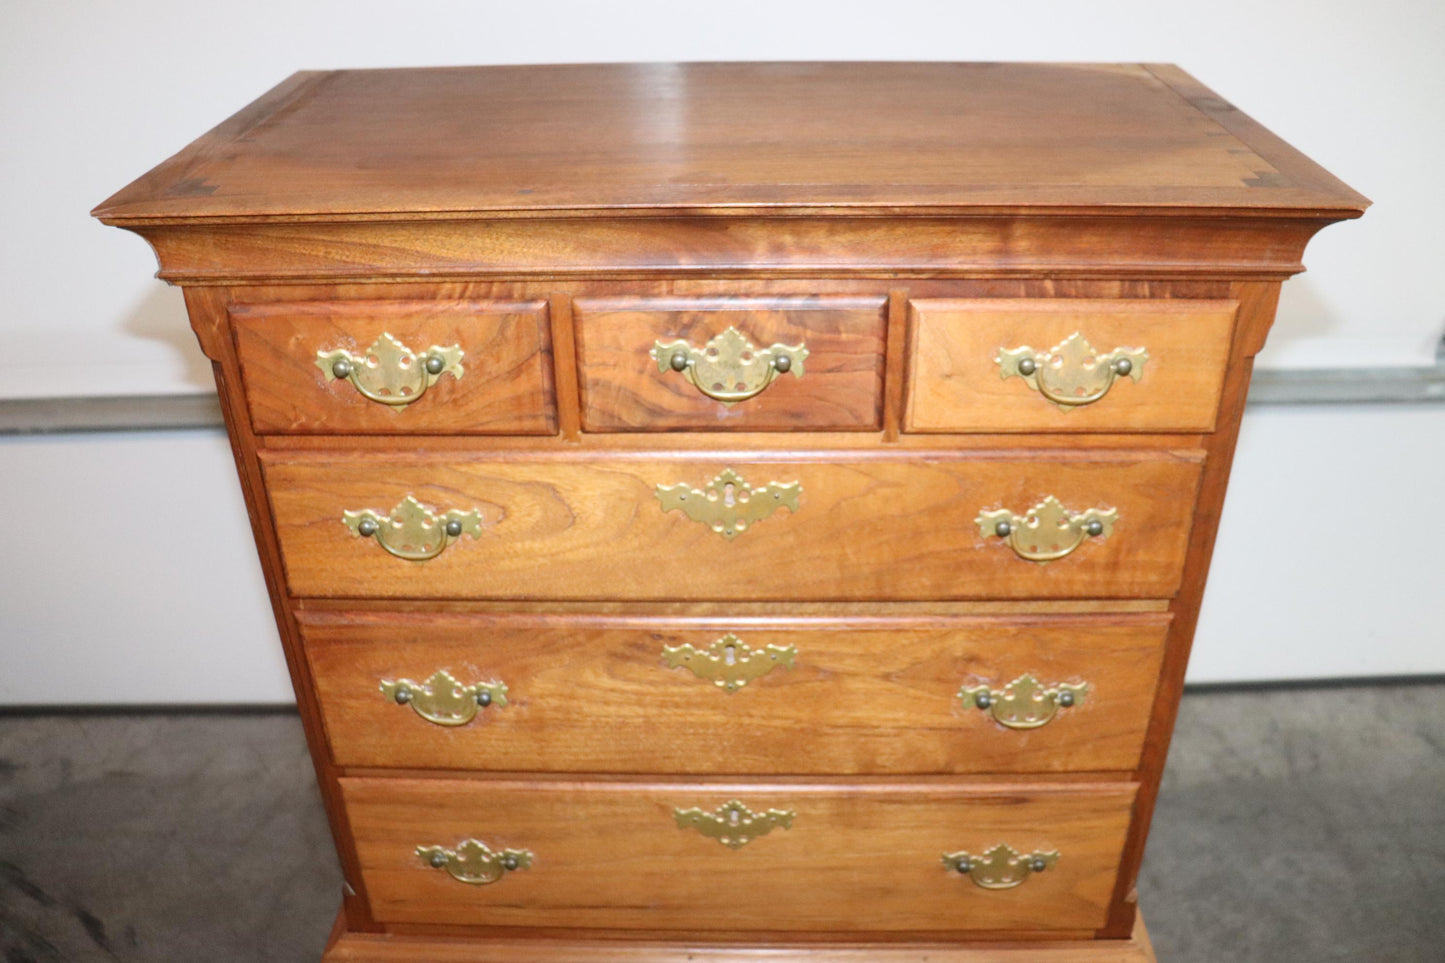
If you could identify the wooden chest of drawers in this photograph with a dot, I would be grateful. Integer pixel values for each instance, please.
(715, 511)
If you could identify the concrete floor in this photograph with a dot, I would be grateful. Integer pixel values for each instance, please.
(1295, 825)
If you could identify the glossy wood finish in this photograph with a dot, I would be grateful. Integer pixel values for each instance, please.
(607, 854)
(874, 528)
(1139, 245)
(956, 384)
(994, 199)
(1257, 308)
(505, 388)
(596, 137)
(590, 694)
(208, 309)
(841, 387)
(363, 948)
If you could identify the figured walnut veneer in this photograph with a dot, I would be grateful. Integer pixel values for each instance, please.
(913, 226)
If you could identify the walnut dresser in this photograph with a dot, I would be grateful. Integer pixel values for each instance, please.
(725, 512)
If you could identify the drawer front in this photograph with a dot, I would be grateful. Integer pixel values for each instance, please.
(494, 361)
(644, 695)
(1094, 365)
(834, 361)
(856, 859)
(618, 527)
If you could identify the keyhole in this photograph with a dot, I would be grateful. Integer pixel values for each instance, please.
(733, 816)
(729, 498)
(730, 655)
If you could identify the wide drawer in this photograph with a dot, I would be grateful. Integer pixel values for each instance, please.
(656, 695)
(841, 859)
(361, 366)
(921, 526)
(728, 353)
(1026, 364)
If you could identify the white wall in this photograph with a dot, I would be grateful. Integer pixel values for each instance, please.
(93, 94)
(1329, 558)
(130, 575)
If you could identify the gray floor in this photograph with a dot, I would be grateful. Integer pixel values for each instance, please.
(1295, 824)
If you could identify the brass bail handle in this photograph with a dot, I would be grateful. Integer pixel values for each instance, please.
(1001, 867)
(473, 862)
(1071, 374)
(444, 701)
(729, 368)
(1048, 531)
(411, 531)
(389, 373)
(1025, 703)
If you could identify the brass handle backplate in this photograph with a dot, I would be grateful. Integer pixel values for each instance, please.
(411, 531)
(729, 663)
(389, 372)
(729, 368)
(1048, 531)
(729, 504)
(1002, 867)
(1024, 703)
(473, 862)
(1071, 373)
(733, 824)
(443, 700)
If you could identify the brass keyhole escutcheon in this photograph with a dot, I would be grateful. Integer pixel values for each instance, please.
(733, 824)
(729, 505)
(729, 663)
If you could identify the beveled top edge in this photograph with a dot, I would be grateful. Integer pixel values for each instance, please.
(303, 151)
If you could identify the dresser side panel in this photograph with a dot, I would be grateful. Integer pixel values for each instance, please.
(210, 308)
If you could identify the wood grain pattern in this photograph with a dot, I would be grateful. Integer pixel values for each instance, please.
(208, 310)
(622, 188)
(608, 855)
(746, 245)
(564, 341)
(369, 948)
(506, 385)
(1257, 305)
(593, 695)
(688, 136)
(623, 390)
(956, 384)
(880, 528)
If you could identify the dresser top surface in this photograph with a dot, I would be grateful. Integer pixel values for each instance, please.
(908, 138)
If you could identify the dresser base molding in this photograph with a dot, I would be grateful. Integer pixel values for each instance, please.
(378, 948)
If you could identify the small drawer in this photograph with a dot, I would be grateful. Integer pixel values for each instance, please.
(362, 366)
(803, 857)
(742, 364)
(562, 693)
(920, 526)
(1066, 365)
